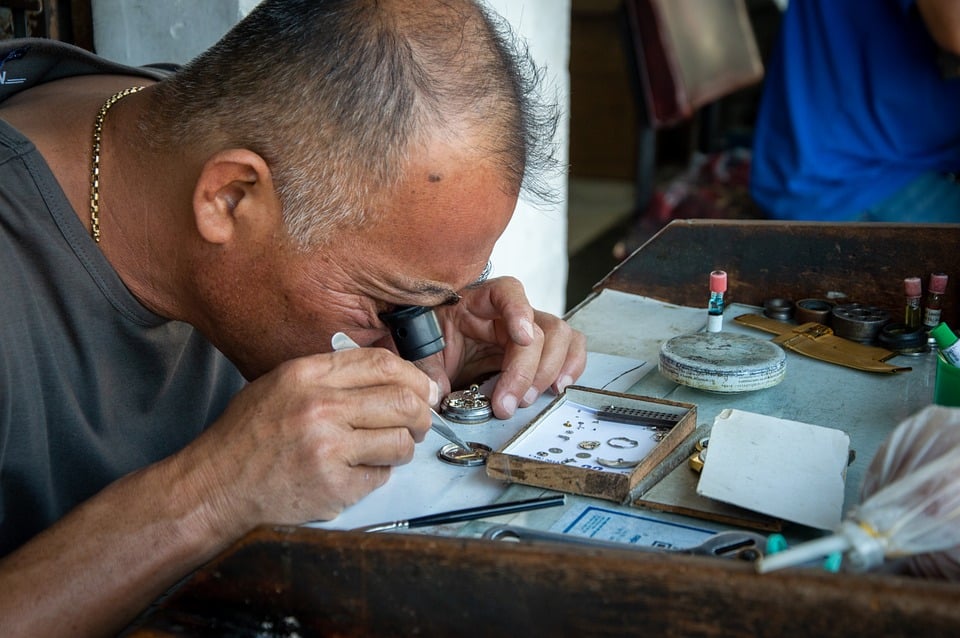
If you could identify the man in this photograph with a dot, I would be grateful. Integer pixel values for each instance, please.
(324, 163)
(858, 121)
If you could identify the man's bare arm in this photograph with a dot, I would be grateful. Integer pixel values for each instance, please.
(92, 572)
(942, 18)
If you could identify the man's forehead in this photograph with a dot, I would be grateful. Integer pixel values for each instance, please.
(439, 224)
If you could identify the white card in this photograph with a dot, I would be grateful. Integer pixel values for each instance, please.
(787, 469)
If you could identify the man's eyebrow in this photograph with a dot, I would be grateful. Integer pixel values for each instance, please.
(483, 275)
(449, 295)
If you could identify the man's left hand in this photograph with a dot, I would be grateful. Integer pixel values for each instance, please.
(494, 328)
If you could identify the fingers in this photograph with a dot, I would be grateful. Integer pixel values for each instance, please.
(562, 358)
(500, 304)
(566, 349)
(433, 366)
(335, 469)
(381, 447)
(555, 358)
(516, 312)
(515, 386)
(363, 367)
(373, 408)
(357, 482)
(540, 350)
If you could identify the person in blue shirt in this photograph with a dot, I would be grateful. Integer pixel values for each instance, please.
(860, 118)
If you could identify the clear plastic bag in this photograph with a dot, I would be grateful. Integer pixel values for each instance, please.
(929, 440)
(910, 505)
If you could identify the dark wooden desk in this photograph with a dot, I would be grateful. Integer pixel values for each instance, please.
(793, 260)
(295, 581)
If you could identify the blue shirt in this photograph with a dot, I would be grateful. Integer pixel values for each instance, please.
(853, 109)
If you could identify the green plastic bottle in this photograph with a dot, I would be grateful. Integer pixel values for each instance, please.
(948, 343)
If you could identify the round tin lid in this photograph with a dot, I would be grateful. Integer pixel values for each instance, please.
(722, 362)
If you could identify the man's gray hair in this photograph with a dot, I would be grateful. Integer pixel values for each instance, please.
(335, 94)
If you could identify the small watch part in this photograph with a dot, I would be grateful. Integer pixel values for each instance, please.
(815, 310)
(636, 416)
(555, 450)
(779, 309)
(543, 453)
(583, 455)
(858, 323)
(622, 442)
(697, 459)
(619, 464)
(588, 445)
(455, 455)
(467, 406)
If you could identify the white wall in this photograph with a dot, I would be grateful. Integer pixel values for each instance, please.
(533, 248)
(144, 31)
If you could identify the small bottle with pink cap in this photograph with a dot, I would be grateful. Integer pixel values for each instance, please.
(912, 289)
(934, 301)
(718, 286)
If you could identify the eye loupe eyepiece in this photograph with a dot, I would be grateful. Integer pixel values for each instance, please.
(415, 331)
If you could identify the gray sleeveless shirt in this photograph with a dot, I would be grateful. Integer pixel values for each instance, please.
(92, 384)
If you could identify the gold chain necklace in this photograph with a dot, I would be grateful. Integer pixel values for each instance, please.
(95, 170)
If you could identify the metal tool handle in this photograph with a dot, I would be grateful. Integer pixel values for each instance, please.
(734, 544)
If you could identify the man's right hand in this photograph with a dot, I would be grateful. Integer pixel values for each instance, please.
(310, 438)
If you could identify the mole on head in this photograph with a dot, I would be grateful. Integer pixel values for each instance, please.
(434, 177)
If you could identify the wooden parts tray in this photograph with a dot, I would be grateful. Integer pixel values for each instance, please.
(594, 443)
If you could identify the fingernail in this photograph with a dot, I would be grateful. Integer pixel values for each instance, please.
(563, 382)
(434, 392)
(530, 396)
(509, 404)
(527, 328)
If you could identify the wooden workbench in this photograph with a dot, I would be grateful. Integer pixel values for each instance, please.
(295, 581)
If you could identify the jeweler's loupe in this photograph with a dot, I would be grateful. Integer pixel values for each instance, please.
(415, 331)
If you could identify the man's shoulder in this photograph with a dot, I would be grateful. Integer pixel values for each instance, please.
(29, 62)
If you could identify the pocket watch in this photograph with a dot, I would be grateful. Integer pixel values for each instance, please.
(466, 406)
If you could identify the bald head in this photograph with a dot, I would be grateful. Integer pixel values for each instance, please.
(339, 95)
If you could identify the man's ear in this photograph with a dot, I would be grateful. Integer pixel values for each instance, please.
(234, 186)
